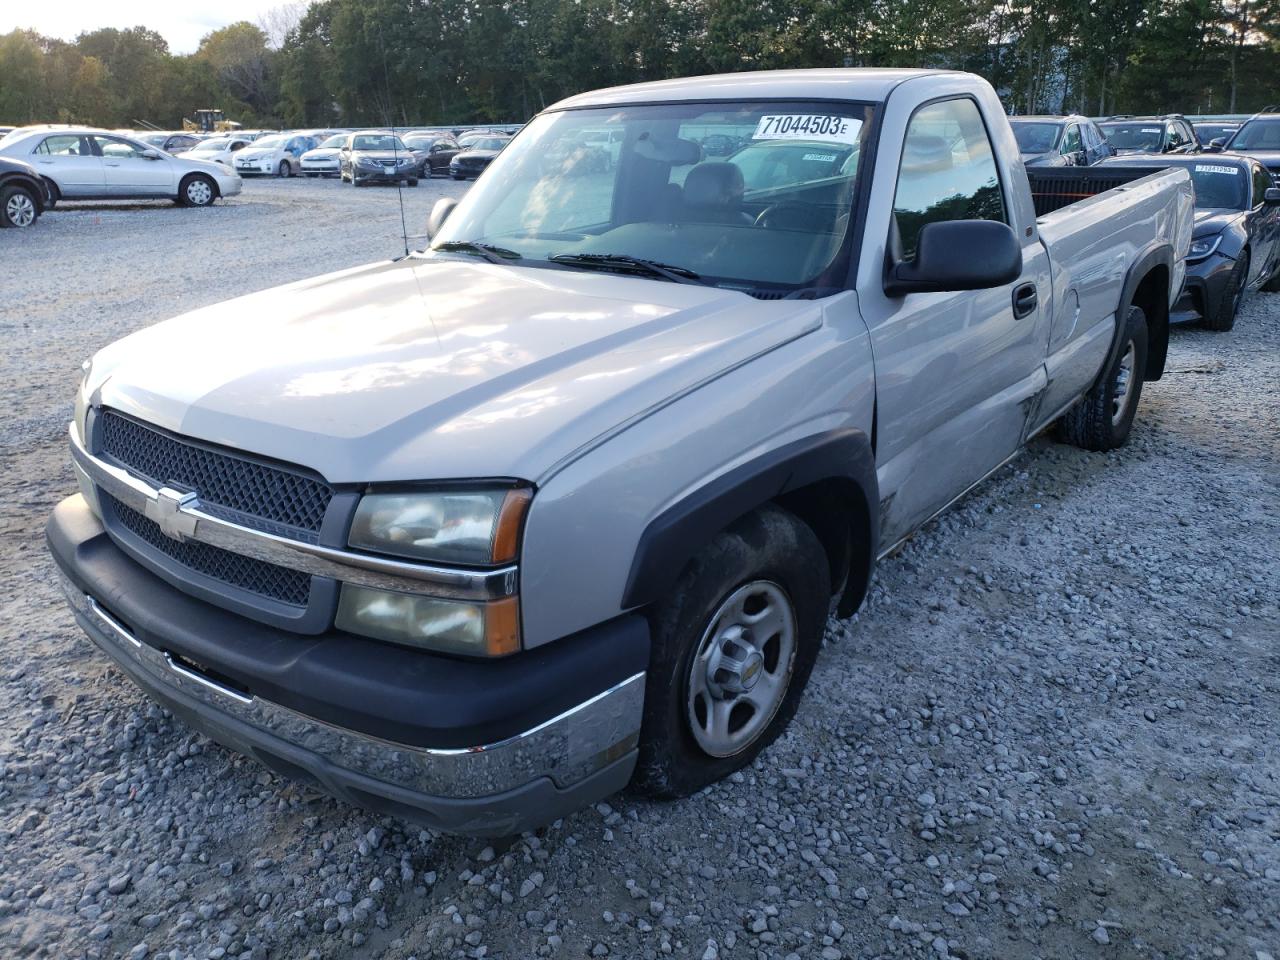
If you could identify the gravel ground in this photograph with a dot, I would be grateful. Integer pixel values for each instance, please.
(1049, 733)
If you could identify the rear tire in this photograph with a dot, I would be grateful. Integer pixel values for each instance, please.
(1104, 416)
(1233, 297)
(733, 646)
(18, 207)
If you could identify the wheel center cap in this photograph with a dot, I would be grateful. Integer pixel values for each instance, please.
(735, 668)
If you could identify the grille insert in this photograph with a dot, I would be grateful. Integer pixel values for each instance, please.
(268, 497)
(254, 576)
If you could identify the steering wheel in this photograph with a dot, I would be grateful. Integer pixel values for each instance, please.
(788, 215)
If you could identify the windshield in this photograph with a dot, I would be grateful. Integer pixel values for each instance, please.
(1212, 131)
(1220, 186)
(333, 143)
(269, 143)
(1035, 137)
(775, 214)
(1260, 134)
(378, 141)
(1146, 136)
(487, 143)
(210, 146)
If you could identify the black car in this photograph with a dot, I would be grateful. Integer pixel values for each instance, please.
(1172, 133)
(23, 194)
(1259, 137)
(376, 156)
(475, 157)
(433, 152)
(1072, 141)
(1235, 244)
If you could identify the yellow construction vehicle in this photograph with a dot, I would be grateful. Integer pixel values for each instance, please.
(209, 121)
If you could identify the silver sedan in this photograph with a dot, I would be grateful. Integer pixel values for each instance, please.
(82, 163)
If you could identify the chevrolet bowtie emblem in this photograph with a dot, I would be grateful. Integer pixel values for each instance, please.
(166, 512)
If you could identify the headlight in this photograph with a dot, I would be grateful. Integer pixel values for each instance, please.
(449, 626)
(1203, 246)
(480, 526)
(404, 161)
(368, 162)
(82, 399)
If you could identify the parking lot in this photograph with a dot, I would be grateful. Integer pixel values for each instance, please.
(1051, 731)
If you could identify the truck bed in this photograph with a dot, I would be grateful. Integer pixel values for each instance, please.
(1053, 188)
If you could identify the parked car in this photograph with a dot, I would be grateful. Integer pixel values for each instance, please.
(22, 193)
(279, 155)
(1235, 248)
(574, 510)
(1259, 137)
(322, 161)
(467, 138)
(174, 141)
(376, 156)
(1072, 141)
(433, 152)
(81, 163)
(1167, 134)
(1214, 133)
(217, 149)
(475, 157)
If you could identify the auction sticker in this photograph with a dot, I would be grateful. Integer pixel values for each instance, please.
(1216, 168)
(808, 126)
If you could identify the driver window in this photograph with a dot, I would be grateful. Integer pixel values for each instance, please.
(1071, 142)
(1262, 182)
(948, 171)
(117, 149)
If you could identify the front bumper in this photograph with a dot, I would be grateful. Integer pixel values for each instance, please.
(229, 186)
(383, 174)
(1203, 289)
(482, 748)
(258, 168)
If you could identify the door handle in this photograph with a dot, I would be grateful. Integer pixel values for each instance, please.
(1025, 300)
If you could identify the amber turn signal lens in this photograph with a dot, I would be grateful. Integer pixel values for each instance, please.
(506, 539)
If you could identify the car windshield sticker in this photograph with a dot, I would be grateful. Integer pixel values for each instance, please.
(827, 157)
(1214, 168)
(804, 126)
(1150, 129)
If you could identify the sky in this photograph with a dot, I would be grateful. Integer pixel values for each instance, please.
(181, 22)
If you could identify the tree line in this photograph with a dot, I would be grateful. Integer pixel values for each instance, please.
(359, 62)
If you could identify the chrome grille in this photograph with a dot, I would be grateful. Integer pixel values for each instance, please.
(254, 576)
(246, 491)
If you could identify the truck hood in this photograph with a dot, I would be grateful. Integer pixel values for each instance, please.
(437, 367)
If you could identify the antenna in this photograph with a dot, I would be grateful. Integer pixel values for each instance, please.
(391, 125)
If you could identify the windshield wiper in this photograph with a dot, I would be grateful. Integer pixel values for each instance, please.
(491, 252)
(621, 261)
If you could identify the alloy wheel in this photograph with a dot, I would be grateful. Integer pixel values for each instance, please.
(20, 209)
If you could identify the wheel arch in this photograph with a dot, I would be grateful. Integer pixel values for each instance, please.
(1146, 285)
(827, 480)
(34, 187)
(186, 177)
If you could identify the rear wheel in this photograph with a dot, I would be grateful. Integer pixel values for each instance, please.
(197, 191)
(18, 207)
(1104, 416)
(1224, 318)
(733, 646)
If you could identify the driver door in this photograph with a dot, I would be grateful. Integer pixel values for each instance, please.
(129, 173)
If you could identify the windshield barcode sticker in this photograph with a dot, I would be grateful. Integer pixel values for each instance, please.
(803, 126)
(1215, 168)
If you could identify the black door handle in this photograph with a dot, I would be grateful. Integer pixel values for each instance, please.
(1025, 300)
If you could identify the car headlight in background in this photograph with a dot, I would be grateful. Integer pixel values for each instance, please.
(1203, 246)
(478, 527)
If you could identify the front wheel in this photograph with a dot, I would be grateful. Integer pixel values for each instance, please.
(1224, 318)
(17, 207)
(733, 646)
(197, 191)
(1104, 416)
(285, 169)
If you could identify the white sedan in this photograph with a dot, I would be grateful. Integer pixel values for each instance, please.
(279, 155)
(323, 160)
(84, 163)
(218, 150)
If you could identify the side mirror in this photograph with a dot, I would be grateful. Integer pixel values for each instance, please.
(1216, 144)
(958, 255)
(439, 214)
(1271, 196)
(151, 154)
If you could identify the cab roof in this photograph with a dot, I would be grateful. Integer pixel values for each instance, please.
(850, 83)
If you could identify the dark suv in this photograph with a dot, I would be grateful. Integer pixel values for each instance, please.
(1171, 133)
(1073, 141)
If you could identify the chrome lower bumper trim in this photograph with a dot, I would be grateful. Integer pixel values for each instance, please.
(369, 571)
(567, 748)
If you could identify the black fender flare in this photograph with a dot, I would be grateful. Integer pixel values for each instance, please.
(1155, 255)
(32, 185)
(676, 535)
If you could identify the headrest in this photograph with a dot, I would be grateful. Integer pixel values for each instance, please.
(714, 185)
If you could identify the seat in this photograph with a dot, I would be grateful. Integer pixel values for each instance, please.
(713, 194)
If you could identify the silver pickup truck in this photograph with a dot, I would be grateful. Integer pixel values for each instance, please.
(562, 502)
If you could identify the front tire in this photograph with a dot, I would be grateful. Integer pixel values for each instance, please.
(285, 169)
(1224, 318)
(1104, 416)
(197, 191)
(18, 207)
(733, 646)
